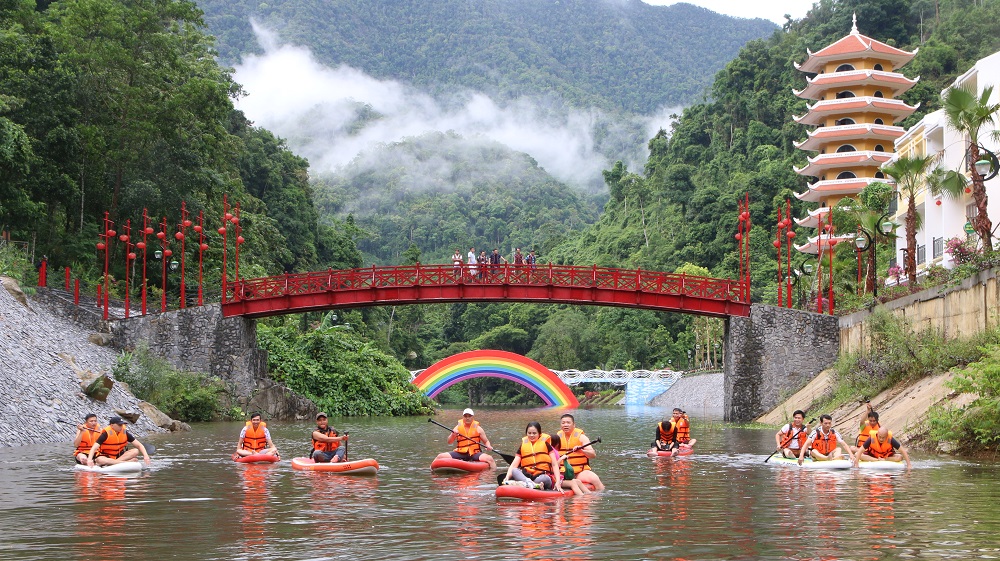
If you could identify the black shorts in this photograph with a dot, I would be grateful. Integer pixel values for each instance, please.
(670, 446)
(465, 457)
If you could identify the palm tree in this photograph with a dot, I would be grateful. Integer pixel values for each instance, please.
(912, 173)
(968, 114)
(866, 212)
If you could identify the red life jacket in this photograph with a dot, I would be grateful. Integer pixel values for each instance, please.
(255, 440)
(879, 449)
(802, 435)
(824, 443)
(535, 459)
(326, 446)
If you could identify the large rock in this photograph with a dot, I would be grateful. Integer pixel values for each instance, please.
(158, 417)
(102, 339)
(280, 403)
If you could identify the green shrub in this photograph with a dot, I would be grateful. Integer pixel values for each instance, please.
(979, 422)
(187, 396)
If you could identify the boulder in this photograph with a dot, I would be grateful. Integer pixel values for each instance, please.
(158, 417)
(102, 339)
(130, 416)
(99, 388)
(178, 426)
(280, 403)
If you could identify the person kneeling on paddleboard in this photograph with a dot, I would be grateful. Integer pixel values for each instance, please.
(326, 442)
(470, 439)
(255, 439)
(666, 436)
(683, 423)
(792, 437)
(535, 463)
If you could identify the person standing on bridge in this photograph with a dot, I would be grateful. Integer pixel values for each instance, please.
(471, 260)
(495, 260)
(483, 260)
(456, 261)
(517, 258)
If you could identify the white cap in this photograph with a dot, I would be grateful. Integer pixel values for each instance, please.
(468, 412)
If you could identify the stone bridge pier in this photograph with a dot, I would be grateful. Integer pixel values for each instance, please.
(772, 353)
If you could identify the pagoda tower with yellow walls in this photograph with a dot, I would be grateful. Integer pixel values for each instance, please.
(855, 84)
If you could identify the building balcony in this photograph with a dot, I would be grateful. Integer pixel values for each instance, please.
(820, 111)
(894, 82)
(818, 138)
(846, 160)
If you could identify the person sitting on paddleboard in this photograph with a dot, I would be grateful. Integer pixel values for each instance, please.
(110, 446)
(824, 443)
(326, 442)
(881, 446)
(869, 426)
(568, 438)
(536, 460)
(683, 423)
(666, 436)
(470, 438)
(255, 439)
(86, 434)
(792, 437)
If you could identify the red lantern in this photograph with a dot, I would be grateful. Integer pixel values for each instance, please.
(161, 235)
(123, 238)
(222, 231)
(187, 223)
(197, 228)
(776, 243)
(167, 253)
(834, 242)
(968, 189)
(938, 203)
(239, 239)
(149, 230)
(140, 245)
(100, 246)
(229, 216)
(179, 236)
(790, 235)
(112, 233)
(235, 220)
(131, 255)
(738, 237)
(204, 247)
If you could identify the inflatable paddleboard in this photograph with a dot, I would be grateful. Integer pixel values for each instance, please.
(366, 466)
(519, 493)
(882, 465)
(809, 463)
(680, 452)
(451, 465)
(257, 458)
(122, 467)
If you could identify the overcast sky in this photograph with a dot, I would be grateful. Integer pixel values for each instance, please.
(773, 10)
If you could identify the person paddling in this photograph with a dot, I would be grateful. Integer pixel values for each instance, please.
(824, 443)
(470, 438)
(666, 436)
(255, 439)
(792, 437)
(326, 442)
(86, 434)
(684, 440)
(869, 426)
(110, 446)
(568, 438)
(535, 463)
(881, 446)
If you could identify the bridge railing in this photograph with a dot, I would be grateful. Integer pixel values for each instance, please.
(439, 275)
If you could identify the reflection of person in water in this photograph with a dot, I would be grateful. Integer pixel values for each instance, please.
(878, 504)
(255, 506)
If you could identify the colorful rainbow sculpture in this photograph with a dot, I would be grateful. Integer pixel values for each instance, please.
(496, 364)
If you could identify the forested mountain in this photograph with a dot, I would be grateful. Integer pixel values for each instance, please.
(613, 54)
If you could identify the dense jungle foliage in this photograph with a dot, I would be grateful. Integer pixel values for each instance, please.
(623, 54)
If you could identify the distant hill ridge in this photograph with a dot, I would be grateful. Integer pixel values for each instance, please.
(615, 54)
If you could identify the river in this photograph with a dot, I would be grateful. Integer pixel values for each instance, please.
(723, 502)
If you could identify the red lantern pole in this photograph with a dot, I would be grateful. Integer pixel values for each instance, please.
(777, 245)
(790, 235)
(181, 231)
(226, 217)
(146, 230)
(857, 251)
(832, 242)
(746, 240)
(67, 279)
(819, 267)
(105, 246)
(202, 246)
(165, 253)
(129, 256)
(239, 241)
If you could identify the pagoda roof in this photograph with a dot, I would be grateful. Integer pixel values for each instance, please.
(856, 159)
(860, 131)
(831, 187)
(813, 244)
(818, 85)
(812, 219)
(821, 110)
(855, 46)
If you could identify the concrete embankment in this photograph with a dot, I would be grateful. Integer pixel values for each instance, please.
(701, 396)
(43, 360)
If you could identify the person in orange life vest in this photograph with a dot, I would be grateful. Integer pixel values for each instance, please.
(666, 436)
(469, 438)
(110, 446)
(684, 439)
(86, 434)
(566, 439)
(535, 463)
(869, 426)
(326, 442)
(824, 443)
(255, 438)
(881, 446)
(792, 436)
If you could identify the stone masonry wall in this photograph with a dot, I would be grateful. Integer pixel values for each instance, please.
(771, 353)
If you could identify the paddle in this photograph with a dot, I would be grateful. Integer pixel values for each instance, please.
(778, 449)
(150, 449)
(597, 440)
(506, 457)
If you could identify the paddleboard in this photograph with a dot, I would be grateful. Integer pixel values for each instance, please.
(257, 458)
(366, 466)
(122, 467)
(680, 452)
(809, 463)
(451, 465)
(882, 465)
(519, 493)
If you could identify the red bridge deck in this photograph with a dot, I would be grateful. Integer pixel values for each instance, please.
(434, 284)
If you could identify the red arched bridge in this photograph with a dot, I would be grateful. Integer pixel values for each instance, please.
(434, 284)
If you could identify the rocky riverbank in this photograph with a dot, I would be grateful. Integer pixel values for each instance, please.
(43, 360)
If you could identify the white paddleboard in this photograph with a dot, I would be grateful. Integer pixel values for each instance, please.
(122, 467)
(882, 465)
(809, 463)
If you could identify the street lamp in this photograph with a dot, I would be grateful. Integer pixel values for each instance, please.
(689, 359)
(864, 241)
(988, 165)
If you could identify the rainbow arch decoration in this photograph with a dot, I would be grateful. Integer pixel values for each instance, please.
(496, 364)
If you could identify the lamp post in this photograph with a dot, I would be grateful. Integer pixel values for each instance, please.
(202, 246)
(129, 257)
(866, 242)
(146, 230)
(163, 253)
(105, 246)
(987, 166)
(689, 359)
(181, 231)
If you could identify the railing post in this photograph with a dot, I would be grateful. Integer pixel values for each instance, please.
(593, 276)
(285, 291)
(506, 273)
(76, 292)
(550, 272)
(638, 278)
(67, 279)
(329, 279)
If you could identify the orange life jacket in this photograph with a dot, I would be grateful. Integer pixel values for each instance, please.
(255, 440)
(879, 449)
(577, 460)
(326, 446)
(866, 432)
(684, 429)
(468, 447)
(824, 443)
(114, 443)
(794, 433)
(535, 459)
(86, 442)
(666, 434)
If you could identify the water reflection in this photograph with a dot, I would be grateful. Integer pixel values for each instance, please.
(255, 506)
(102, 519)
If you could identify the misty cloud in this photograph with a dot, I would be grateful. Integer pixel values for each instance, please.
(331, 115)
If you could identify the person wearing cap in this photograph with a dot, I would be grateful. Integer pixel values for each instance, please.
(255, 439)
(110, 446)
(86, 433)
(326, 442)
(471, 438)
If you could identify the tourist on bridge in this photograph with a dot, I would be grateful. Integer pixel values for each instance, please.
(110, 446)
(535, 462)
(881, 446)
(471, 438)
(255, 439)
(495, 260)
(792, 437)
(471, 260)
(666, 436)
(326, 442)
(518, 258)
(86, 434)
(824, 443)
(572, 444)
(456, 261)
(483, 260)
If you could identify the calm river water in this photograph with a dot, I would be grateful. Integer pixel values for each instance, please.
(721, 503)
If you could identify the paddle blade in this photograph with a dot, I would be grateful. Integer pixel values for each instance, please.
(506, 457)
(500, 478)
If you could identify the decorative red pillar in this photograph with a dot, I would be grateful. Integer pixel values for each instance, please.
(777, 245)
(146, 230)
(790, 235)
(832, 243)
(129, 256)
(107, 235)
(222, 232)
(819, 267)
(202, 247)
(165, 253)
(239, 241)
(181, 231)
